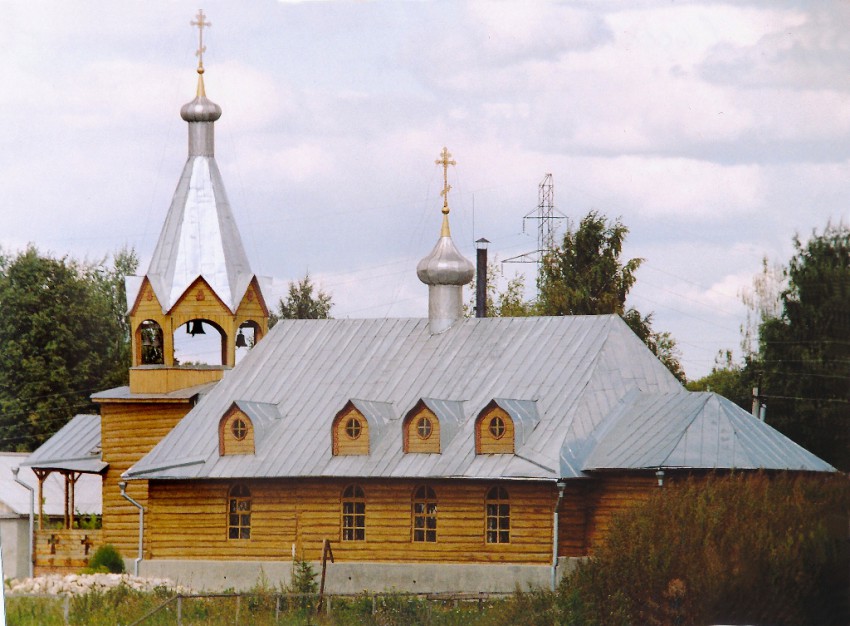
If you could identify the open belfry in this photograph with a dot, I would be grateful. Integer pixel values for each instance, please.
(442, 453)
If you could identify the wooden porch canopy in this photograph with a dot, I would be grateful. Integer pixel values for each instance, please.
(72, 452)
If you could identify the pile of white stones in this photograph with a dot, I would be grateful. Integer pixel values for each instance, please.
(81, 584)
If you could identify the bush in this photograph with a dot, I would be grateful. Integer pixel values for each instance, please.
(106, 559)
(743, 548)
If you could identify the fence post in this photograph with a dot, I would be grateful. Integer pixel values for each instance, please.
(179, 610)
(238, 606)
(277, 608)
(66, 609)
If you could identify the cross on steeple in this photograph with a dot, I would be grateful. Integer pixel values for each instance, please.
(201, 23)
(445, 161)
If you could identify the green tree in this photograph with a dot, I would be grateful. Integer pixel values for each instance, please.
(301, 303)
(803, 364)
(64, 336)
(585, 276)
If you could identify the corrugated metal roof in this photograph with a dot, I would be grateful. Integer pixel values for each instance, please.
(75, 447)
(564, 381)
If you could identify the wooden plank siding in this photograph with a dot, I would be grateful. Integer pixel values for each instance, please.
(129, 430)
(188, 520)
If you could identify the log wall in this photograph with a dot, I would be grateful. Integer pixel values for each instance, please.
(129, 430)
(188, 520)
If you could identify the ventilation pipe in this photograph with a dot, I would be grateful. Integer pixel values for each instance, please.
(15, 471)
(123, 486)
(481, 278)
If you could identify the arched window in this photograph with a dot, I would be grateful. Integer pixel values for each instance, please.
(353, 514)
(149, 339)
(498, 513)
(239, 513)
(424, 514)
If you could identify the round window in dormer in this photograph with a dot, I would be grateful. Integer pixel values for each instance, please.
(239, 429)
(497, 427)
(424, 427)
(353, 428)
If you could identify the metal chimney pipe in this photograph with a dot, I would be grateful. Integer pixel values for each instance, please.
(481, 278)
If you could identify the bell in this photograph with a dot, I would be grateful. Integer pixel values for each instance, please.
(146, 340)
(240, 340)
(156, 342)
(197, 328)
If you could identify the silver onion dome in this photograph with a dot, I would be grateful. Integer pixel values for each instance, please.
(201, 109)
(445, 265)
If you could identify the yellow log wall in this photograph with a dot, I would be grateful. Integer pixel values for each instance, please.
(188, 520)
(128, 432)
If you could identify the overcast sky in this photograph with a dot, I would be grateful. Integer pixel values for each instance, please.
(714, 131)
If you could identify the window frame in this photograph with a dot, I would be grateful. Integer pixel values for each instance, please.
(353, 513)
(423, 527)
(239, 518)
(497, 516)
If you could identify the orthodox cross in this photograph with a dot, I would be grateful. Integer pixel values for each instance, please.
(201, 24)
(53, 541)
(445, 161)
(87, 544)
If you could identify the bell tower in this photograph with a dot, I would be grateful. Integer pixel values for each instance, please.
(199, 281)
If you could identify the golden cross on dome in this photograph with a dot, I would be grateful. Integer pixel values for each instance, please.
(445, 161)
(201, 24)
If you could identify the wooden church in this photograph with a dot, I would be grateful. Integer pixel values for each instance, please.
(433, 454)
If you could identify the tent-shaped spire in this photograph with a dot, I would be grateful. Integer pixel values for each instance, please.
(200, 237)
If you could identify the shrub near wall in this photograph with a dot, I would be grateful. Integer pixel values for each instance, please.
(742, 548)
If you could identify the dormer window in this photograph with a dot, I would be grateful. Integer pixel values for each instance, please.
(350, 432)
(421, 430)
(235, 433)
(494, 431)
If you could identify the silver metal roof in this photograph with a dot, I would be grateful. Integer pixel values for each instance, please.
(75, 447)
(571, 384)
(692, 430)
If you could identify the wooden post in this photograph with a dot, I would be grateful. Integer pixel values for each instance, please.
(326, 551)
(67, 498)
(41, 475)
(73, 477)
